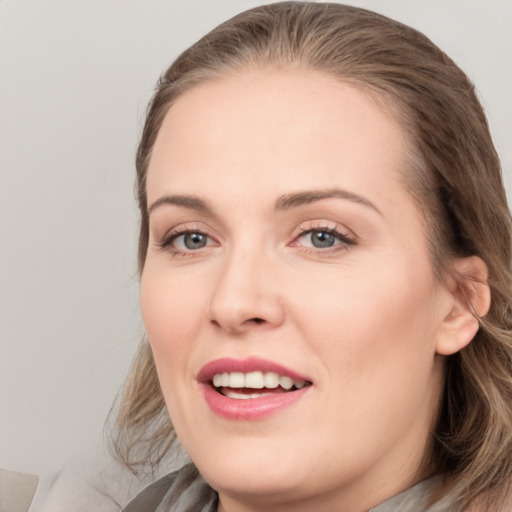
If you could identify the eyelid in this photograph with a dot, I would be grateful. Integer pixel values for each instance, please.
(172, 236)
(344, 236)
(326, 225)
(165, 241)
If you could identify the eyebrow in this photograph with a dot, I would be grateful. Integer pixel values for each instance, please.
(297, 199)
(190, 202)
(286, 202)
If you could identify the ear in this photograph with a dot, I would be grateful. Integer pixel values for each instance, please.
(470, 301)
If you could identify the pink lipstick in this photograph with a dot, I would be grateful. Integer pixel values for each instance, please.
(250, 389)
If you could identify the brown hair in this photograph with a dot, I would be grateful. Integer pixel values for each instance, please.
(455, 178)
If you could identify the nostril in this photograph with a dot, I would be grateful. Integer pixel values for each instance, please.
(257, 320)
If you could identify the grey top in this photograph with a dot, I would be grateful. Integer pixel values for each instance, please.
(186, 491)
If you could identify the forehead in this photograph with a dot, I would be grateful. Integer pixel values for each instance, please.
(283, 124)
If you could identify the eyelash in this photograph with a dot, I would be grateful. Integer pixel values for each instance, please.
(344, 241)
(166, 243)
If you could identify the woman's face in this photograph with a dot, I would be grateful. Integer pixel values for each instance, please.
(286, 251)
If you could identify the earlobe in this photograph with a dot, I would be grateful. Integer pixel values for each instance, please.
(471, 299)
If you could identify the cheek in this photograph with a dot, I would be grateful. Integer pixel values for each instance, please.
(171, 312)
(374, 337)
(373, 322)
(171, 307)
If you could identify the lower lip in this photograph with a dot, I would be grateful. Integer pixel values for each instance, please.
(250, 408)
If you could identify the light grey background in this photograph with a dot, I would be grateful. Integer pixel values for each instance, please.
(75, 77)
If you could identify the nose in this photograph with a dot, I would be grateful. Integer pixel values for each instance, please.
(246, 295)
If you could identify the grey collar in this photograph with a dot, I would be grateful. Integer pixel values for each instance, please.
(186, 491)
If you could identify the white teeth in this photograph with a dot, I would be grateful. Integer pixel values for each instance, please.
(271, 380)
(286, 382)
(242, 396)
(236, 380)
(255, 380)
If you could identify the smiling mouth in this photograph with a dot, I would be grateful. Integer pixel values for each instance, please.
(250, 389)
(256, 384)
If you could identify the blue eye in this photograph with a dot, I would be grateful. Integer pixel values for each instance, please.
(193, 241)
(186, 241)
(323, 238)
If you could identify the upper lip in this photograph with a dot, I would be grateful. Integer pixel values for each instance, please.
(250, 364)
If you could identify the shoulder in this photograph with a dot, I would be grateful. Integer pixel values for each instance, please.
(90, 482)
(183, 490)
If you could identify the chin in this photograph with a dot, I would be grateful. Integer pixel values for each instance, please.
(255, 483)
(259, 471)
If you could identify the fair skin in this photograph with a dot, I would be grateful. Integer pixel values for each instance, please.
(335, 284)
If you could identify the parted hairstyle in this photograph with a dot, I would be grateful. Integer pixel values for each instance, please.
(453, 175)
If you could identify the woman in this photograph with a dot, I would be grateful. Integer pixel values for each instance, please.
(325, 274)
